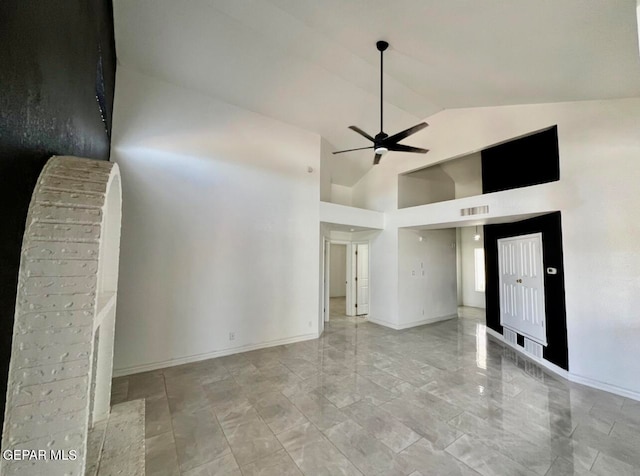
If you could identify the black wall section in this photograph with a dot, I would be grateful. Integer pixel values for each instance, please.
(55, 58)
(522, 162)
(556, 317)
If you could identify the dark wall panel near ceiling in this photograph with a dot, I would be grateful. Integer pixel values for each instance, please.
(556, 317)
(521, 162)
(57, 77)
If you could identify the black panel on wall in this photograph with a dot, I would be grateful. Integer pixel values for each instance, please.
(556, 317)
(57, 78)
(530, 160)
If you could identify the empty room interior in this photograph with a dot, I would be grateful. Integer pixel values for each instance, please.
(277, 237)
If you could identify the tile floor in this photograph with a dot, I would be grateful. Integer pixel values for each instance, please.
(439, 399)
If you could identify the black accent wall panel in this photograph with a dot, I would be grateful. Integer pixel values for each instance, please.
(530, 160)
(556, 316)
(57, 78)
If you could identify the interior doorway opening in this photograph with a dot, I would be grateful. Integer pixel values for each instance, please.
(338, 278)
(360, 267)
(441, 275)
(470, 263)
(345, 279)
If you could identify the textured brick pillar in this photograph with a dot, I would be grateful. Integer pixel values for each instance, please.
(48, 395)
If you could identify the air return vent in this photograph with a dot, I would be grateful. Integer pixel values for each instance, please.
(510, 336)
(533, 348)
(474, 210)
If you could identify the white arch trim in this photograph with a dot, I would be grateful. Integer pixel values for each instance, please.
(62, 351)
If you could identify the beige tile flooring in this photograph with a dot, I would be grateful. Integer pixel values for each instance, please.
(438, 399)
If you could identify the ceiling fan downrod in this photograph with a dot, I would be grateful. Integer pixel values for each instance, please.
(382, 47)
(382, 142)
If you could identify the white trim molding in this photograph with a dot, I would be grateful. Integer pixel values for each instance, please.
(589, 382)
(59, 380)
(210, 355)
(407, 325)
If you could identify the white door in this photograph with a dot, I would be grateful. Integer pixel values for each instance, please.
(521, 281)
(362, 279)
(326, 284)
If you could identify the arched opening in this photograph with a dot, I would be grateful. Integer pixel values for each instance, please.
(107, 285)
(62, 349)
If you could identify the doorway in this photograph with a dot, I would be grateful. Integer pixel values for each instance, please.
(521, 286)
(471, 274)
(338, 278)
(553, 294)
(345, 284)
(361, 278)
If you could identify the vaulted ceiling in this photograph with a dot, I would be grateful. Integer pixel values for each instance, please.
(313, 63)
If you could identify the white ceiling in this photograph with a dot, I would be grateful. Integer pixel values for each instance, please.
(313, 63)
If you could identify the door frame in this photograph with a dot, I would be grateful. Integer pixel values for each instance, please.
(348, 297)
(353, 275)
(539, 236)
(326, 281)
(351, 291)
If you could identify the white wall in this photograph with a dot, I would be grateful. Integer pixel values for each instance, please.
(338, 285)
(341, 194)
(600, 204)
(220, 226)
(425, 186)
(350, 216)
(469, 295)
(466, 173)
(325, 170)
(427, 276)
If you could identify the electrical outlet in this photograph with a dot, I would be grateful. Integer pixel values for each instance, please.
(232, 336)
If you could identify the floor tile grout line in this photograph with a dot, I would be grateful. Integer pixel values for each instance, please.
(454, 456)
(493, 449)
(324, 436)
(276, 436)
(594, 461)
(552, 463)
(341, 346)
(173, 433)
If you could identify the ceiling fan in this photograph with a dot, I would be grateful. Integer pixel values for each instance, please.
(382, 142)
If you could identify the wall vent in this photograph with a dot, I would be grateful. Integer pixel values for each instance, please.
(510, 336)
(533, 348)
(474, 210)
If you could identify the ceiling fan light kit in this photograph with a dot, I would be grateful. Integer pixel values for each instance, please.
(382, 142)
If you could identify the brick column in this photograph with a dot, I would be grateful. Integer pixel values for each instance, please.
(48, 392)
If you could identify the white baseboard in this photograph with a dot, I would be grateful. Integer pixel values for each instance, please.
(209, 355)
(589, 382)
(544, 363)
(382, 322)
(407, 325)
(431, 320)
